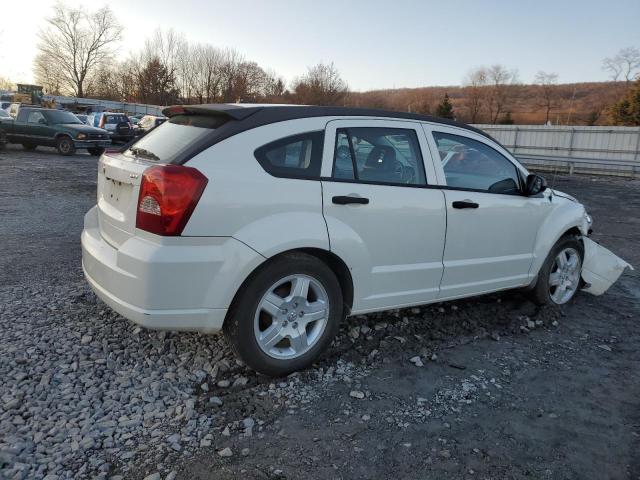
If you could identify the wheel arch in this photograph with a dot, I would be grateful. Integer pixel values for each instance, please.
(333, 261)
(549, 235)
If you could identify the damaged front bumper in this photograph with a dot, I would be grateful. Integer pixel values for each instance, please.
(600, 268)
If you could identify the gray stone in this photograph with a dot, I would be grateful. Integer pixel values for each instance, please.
(225, 452)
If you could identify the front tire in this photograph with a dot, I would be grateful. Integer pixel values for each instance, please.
(285, 315)
(560, 276)
(65, 146)
(96, 152)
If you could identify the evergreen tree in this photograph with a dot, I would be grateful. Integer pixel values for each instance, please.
(506, 120)
(445, 108)
(627, 111)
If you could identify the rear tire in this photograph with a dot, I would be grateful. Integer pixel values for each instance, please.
(65, 146)
(270, 305)
(29, 147)
(96, 152)
(557, 285)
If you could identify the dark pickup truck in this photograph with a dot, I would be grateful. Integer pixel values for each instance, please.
(35, 126)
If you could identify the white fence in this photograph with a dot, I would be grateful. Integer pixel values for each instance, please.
(596, 150)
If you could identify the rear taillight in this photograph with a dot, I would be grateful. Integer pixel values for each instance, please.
(168, 196)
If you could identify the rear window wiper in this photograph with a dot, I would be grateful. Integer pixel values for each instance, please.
(143, 152)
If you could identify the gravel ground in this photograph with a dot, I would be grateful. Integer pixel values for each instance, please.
(492, 387)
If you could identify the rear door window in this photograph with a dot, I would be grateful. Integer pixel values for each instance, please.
(299, 156)
(378, 155)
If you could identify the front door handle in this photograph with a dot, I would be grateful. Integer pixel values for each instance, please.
(464, 204)
(346, 200)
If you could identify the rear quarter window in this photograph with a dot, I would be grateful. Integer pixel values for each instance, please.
(298, 156)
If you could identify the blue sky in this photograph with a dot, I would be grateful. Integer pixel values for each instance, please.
(374, 43)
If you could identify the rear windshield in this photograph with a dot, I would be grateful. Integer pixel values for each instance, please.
(115, 118)
(167, 141)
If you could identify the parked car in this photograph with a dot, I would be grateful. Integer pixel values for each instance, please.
(35, 127)
(117, 124)
(148, 122)
(274, 223)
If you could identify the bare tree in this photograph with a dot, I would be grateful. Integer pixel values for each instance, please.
(49, 75)
(548, 98)
(321, 85)
(500, 85)
(6, 84)
(78, 43)
(474, 86)
(624, 65)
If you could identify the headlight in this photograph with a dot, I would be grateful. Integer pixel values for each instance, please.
(588, 218)
(81, 136)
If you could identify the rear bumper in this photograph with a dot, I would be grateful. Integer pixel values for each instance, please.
(121, 138)
(185, 284)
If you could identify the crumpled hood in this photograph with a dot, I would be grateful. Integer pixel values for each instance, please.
(560, 194)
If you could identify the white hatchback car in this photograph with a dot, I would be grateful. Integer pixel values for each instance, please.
(273, 223)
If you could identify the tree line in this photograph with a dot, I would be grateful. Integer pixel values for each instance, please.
(77, 56)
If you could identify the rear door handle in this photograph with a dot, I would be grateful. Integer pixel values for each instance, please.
(346, 200)
(464, 204)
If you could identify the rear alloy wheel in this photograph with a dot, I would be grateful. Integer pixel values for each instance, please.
(65, 146)
(96, 152)
(29, 147)
(291, 316)
(560, 276)
(285, 315)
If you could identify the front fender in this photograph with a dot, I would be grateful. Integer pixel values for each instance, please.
(564, 216)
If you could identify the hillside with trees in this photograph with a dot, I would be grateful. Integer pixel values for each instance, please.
(575, 103)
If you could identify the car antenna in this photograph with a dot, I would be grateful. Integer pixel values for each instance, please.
(553, 182)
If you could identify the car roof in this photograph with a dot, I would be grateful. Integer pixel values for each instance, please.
(254, 115)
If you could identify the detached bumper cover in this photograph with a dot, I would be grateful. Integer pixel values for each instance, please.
(601, 268)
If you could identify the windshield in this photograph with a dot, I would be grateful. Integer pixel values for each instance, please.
(167, 141)
(56, 117)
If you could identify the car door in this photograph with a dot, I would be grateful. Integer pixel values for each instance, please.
(384, 219)
(491, 225)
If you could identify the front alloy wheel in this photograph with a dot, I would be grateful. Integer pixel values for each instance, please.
(564, 278)
(559, 277)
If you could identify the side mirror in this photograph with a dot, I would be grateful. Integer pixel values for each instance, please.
(42, 121)
(535, 184)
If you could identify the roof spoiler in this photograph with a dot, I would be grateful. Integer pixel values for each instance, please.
(233, 112)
